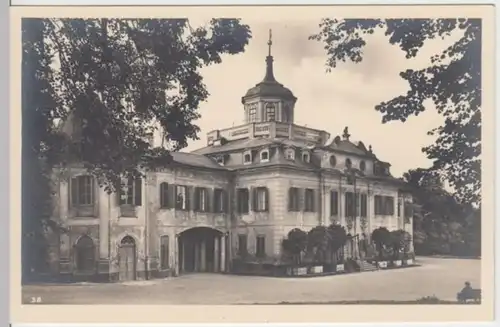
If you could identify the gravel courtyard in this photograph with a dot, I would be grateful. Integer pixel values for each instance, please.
(440, 277)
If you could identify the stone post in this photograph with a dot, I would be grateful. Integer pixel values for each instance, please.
(203, 255)
(216, 255)
(223, 253)
(196, 256)
(176, 256)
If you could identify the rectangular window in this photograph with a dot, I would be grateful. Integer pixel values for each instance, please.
(334, 203)
(131, 193)
(201, 199)
(384, 205)
(164, 195)
(242, 244)
(261, 199)
(180, 197)
(364, 205)
(164, 252)
(243, 198)
(399, 207)
(82, 191)
(309, 200)
(270, 112)
(252, 114)
(293, 199)
(261, 246)
(389, 205)
(219, 201)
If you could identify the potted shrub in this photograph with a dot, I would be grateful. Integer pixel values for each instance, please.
(382, 239)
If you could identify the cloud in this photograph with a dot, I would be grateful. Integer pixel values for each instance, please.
(329, 101)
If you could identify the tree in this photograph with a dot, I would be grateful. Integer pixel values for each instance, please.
(338, 238)
(295, 244)
(399, 241)
(113, 82)
(441, 225)
(318, 242)
(452, 81)
(382, 238)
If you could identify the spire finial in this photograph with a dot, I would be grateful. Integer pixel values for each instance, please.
(270, 42)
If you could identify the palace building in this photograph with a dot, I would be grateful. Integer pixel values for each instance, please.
(238, 196)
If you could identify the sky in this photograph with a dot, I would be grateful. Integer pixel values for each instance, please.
(328, 101)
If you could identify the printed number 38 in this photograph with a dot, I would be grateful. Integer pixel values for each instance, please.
(35, 299)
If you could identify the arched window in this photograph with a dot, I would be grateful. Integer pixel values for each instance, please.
(270, 112)
(333, 161)
(247, 157)
(305, 157)
(264, 156)
(362, 166)
(85, 254)
(348, 163)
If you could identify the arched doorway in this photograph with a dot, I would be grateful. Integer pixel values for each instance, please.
(127, 258)
(201, 249)
(85, 255)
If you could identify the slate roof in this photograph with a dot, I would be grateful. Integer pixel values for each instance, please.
(195, 160)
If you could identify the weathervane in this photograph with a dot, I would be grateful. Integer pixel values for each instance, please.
(270, 42)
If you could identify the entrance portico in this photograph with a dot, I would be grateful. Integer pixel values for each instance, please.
(202, 249)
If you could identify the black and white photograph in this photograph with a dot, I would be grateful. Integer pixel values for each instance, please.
(263, 159)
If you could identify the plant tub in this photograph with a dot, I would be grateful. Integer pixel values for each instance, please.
(382, 264)
(316, 270)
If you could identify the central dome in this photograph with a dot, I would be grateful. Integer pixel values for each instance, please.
(274, 89)
(269, 87)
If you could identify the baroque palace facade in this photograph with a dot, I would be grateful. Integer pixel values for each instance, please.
(239, 195)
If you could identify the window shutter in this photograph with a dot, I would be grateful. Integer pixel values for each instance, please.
(196, 199)
(172, 195)
(138, 192)
(213, 200)
(266, 192)
(225, 201)
(316, 200)
(290, 199)
(189, 197)
(209, 199)
(74, 191)
(253, 198)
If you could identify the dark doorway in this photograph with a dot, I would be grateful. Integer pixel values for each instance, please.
(127, 258)
(200, 250)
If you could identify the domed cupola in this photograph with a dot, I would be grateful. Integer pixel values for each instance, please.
(269, 100)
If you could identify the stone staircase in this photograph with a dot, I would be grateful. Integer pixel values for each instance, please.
(366, 266)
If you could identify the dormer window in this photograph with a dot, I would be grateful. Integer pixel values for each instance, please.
(305, 157)
(247, 158)
(264, 156)
(333, 161)
(290, 154)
